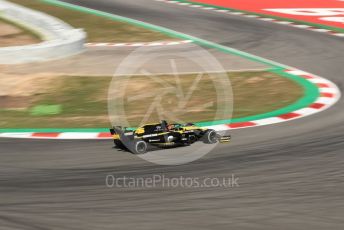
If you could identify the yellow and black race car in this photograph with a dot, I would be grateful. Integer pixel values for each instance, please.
(163, 135)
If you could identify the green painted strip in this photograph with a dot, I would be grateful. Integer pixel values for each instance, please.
(311, 92)
(337, 29)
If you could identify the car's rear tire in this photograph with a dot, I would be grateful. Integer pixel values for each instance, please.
(139, 147)
(210, 137)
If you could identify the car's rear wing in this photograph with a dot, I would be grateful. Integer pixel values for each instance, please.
(118, 132)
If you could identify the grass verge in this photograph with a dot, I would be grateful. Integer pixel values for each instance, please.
(77, 101)
(99, 29)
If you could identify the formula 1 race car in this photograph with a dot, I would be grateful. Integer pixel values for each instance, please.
(163, 135)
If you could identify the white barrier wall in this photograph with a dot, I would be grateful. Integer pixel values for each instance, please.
(60, 39)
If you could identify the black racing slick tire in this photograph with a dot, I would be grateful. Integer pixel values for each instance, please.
(210, 137)
(139, 147)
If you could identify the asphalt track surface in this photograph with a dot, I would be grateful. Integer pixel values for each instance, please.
(291, 174)
(103, 61)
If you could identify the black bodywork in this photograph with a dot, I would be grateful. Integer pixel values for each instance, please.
(163, 135)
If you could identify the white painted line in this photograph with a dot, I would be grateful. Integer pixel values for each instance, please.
(327, 90)
(297, 72)
(268, 121)
(252, 16)
(306, 111)
(302, 26)
(284, 22)
(156, 44)
(316, 80)
(223, 11)
(138, 44)
(218, 127)
(77, 135)
(236, 13)
(267, 19)
(321, 30)
(16, 135)
(195, 6)
(208, 8)
(325, 100)
(183, 3)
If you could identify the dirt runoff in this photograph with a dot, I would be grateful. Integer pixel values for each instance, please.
(18, 92)
(11, 35)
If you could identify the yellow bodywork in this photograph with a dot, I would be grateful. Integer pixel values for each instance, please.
(140, 130)
(188, 128)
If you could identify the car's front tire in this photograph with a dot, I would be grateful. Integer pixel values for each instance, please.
(210, 137)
